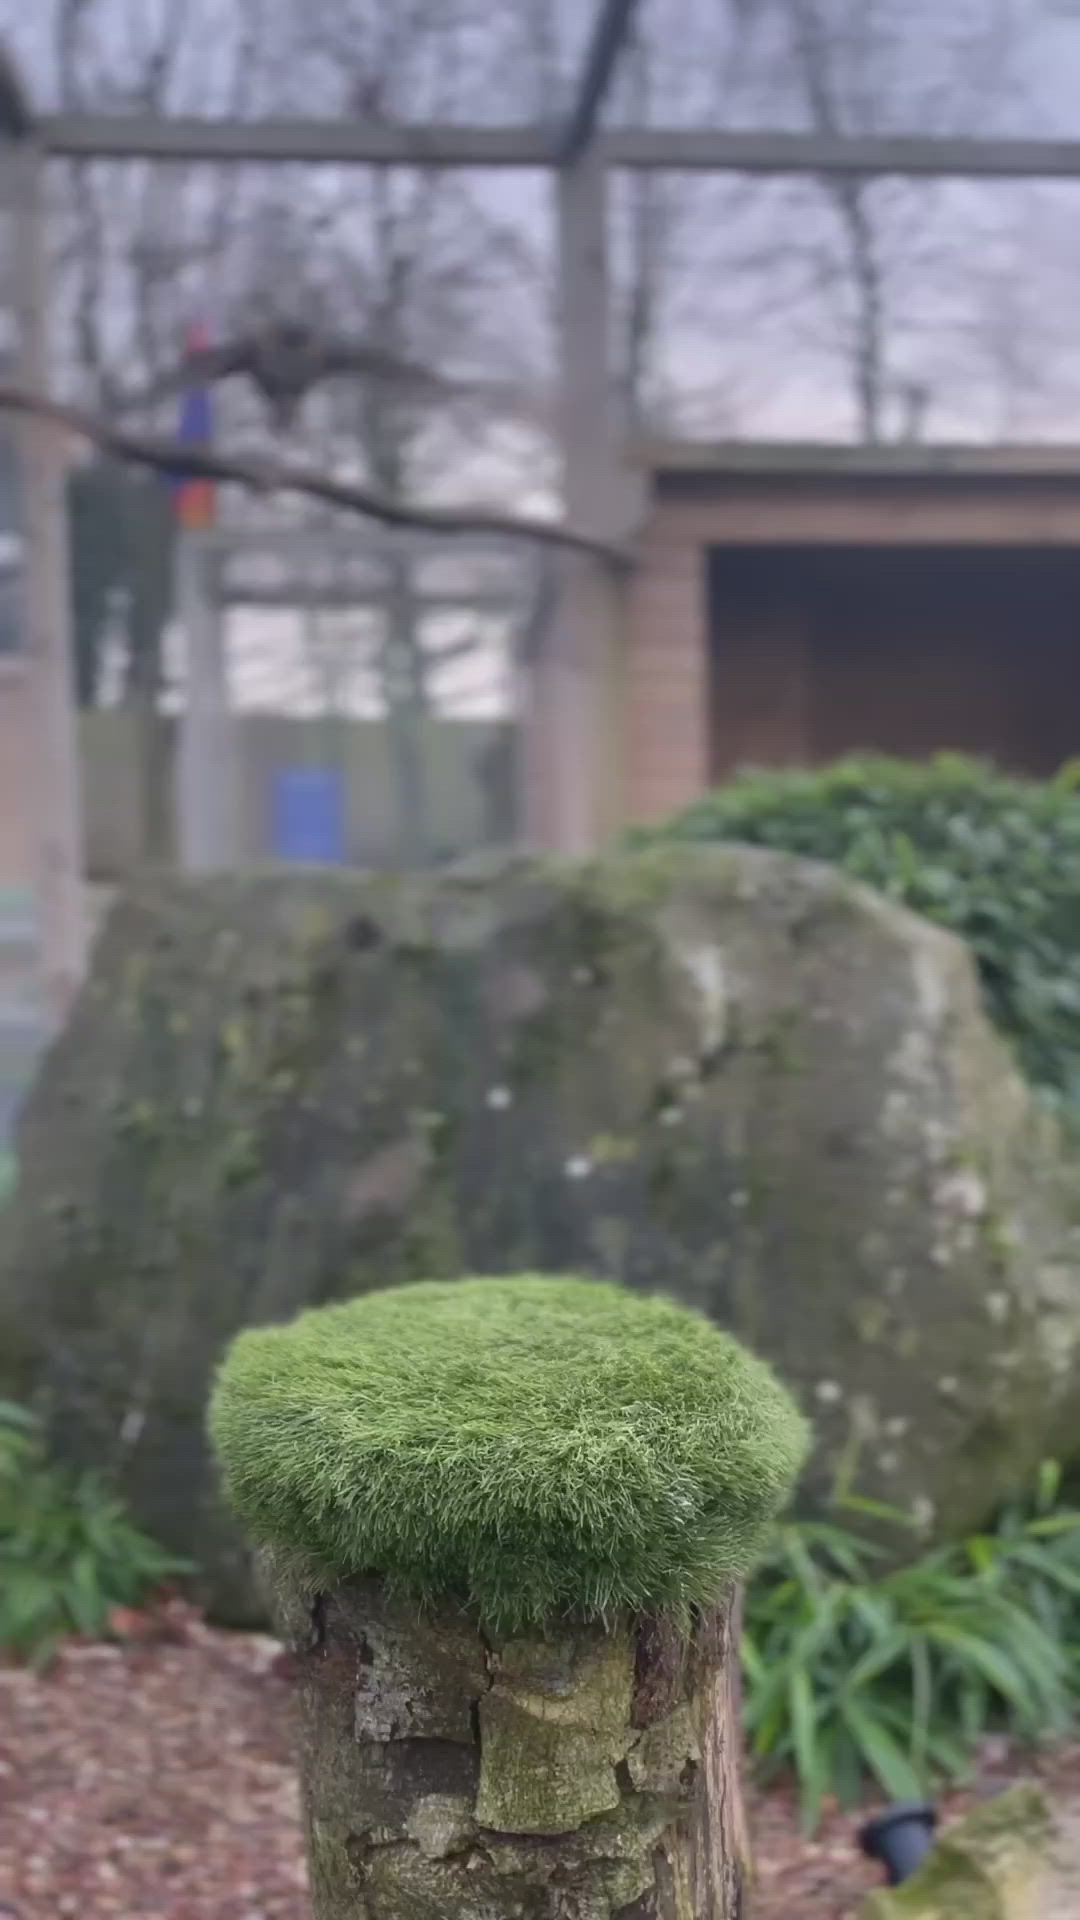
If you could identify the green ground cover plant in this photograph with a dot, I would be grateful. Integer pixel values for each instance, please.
(857, 1676)
(69, 1554)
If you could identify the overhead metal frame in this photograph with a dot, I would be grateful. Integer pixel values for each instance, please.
(379, 547)
(914, 156)
(335, 598)
(93, 136)
(579, 154)
(545, 145)
(635, 149)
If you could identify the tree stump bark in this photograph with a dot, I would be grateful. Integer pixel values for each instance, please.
(589, 1775)
(528, 1708)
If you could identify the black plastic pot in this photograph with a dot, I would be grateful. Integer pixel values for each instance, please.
(900, 1838)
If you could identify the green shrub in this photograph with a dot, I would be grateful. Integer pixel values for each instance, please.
(995, 860)
(529, 1447)
(854, 1675)
(68, 1554)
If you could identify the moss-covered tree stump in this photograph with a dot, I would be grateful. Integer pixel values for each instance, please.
(503, 1523)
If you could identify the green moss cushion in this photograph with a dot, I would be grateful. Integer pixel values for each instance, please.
(531, 1448)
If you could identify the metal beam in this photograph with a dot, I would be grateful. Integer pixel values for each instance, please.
(365, 599)
(675, 149)
(613, 22)
(93, 136)
(914, 155)
(374, 546)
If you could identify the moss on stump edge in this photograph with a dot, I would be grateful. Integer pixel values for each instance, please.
(532, 1449)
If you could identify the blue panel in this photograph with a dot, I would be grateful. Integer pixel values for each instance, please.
(308, 816)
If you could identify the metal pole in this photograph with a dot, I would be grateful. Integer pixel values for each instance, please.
(614, 21)
(571, 722)
(54, 789)
(207, 798)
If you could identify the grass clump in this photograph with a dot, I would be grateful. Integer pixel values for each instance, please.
(860, 1674)
(69, 1553)
(530, 1448)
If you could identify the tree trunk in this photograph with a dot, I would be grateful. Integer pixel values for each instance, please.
(589, 1776)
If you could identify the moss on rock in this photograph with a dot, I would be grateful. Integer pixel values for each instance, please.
(989, 1866)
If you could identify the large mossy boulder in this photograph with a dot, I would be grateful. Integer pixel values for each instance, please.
(722, 1073)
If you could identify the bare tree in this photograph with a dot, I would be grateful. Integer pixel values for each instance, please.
(769, 290)
(815, 55)
(883, 248)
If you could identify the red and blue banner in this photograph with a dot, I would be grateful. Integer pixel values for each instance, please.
(195, 500)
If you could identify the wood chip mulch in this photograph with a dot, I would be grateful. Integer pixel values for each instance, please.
(153, 1780)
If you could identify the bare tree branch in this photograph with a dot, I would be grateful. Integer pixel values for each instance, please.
(850, 198)
(273, 476)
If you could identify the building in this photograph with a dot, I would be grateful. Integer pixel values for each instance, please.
(791, 604)
(794, 603)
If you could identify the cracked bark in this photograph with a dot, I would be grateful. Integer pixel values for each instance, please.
(589, 1775)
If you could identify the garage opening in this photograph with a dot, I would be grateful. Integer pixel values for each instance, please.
(819, 651)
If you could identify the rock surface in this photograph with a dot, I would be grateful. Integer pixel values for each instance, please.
(993, 1865)
(722, 1073)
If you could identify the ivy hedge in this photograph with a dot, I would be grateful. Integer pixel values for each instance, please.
(996, 860)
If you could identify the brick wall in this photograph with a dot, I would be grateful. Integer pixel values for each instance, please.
(666, 687)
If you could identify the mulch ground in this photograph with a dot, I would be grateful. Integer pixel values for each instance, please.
(153, 1780)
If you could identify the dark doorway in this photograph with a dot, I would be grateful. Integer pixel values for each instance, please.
(820, 651)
